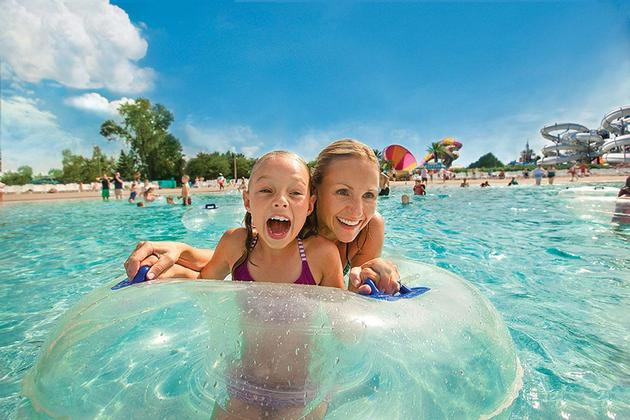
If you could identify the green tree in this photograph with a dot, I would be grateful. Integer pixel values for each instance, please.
(383, 163)
(438, 150)
(24, 175)
(145, 129)
(98, 165)
(73, 167)
(168, 160)
(208, 165)
(243, 164)
(77, 168)
(126, 165)
(56, 174)
(487, 161)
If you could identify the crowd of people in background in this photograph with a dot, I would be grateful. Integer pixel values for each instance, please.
(422, 176)
(143, 192)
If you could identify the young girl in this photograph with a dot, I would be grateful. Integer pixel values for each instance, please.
(276, 234)
(278, 201)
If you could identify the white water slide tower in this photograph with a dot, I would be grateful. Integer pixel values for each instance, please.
(576, 143)
(617, 148)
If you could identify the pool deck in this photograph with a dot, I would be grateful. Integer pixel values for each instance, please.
(474, 182)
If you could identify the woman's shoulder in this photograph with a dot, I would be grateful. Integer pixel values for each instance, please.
(377, 224)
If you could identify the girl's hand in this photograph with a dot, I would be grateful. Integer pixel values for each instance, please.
(384, 274)
(160, 256)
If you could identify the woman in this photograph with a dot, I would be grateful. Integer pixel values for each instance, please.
(346, 179)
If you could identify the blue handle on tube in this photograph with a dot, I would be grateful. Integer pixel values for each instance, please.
(141, 276)
(404, 293)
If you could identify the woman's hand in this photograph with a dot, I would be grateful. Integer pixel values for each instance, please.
(160, 256)
(384, 274)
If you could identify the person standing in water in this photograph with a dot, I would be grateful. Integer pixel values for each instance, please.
(104, 187)
(186, 194)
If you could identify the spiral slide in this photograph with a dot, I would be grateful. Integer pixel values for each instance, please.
(617, 149)
(572, 142)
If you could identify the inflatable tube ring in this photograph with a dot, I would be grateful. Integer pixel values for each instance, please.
(405, 292)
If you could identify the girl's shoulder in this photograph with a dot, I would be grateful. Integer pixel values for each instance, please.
(318, 248)
(235, 235)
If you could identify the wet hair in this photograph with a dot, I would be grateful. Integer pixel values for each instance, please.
(628, 182)
(310, 225)
(342, 149)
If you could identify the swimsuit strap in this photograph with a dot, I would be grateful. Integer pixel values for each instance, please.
(301, 248)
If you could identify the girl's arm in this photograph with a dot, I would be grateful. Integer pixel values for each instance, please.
(227, 252)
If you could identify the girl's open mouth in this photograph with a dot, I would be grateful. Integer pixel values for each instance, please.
(278, 227)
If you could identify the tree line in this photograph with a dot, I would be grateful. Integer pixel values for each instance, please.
(153, 153)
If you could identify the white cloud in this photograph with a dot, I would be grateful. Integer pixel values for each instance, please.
(32, 136)
(81, 44)
(250, 151)
(94, 102)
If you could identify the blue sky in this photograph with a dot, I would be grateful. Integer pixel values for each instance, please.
(257, 76)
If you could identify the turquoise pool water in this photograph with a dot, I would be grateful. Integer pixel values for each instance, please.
(550, 260)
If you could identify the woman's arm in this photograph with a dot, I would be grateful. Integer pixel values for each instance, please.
(366, 263)
(162, 256)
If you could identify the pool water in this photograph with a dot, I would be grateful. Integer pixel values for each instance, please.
(549, 259)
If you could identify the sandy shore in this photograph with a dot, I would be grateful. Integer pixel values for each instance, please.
(96, 195)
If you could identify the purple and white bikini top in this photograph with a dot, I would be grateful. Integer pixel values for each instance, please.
(241, 272)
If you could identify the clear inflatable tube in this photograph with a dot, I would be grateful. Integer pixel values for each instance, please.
(187, 349)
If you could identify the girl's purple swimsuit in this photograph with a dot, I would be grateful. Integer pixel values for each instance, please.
(241, 272)
(247, 389)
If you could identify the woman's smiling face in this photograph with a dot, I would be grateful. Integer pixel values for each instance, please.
(346, 198)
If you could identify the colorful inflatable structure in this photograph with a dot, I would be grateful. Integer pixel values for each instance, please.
(451, 149)
(401, 158)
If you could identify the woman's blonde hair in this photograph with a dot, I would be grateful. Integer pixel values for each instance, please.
(310, 225)
(340, 149)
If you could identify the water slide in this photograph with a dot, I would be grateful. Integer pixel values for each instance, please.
(451, 149)
(617, 123)
(571, 142)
